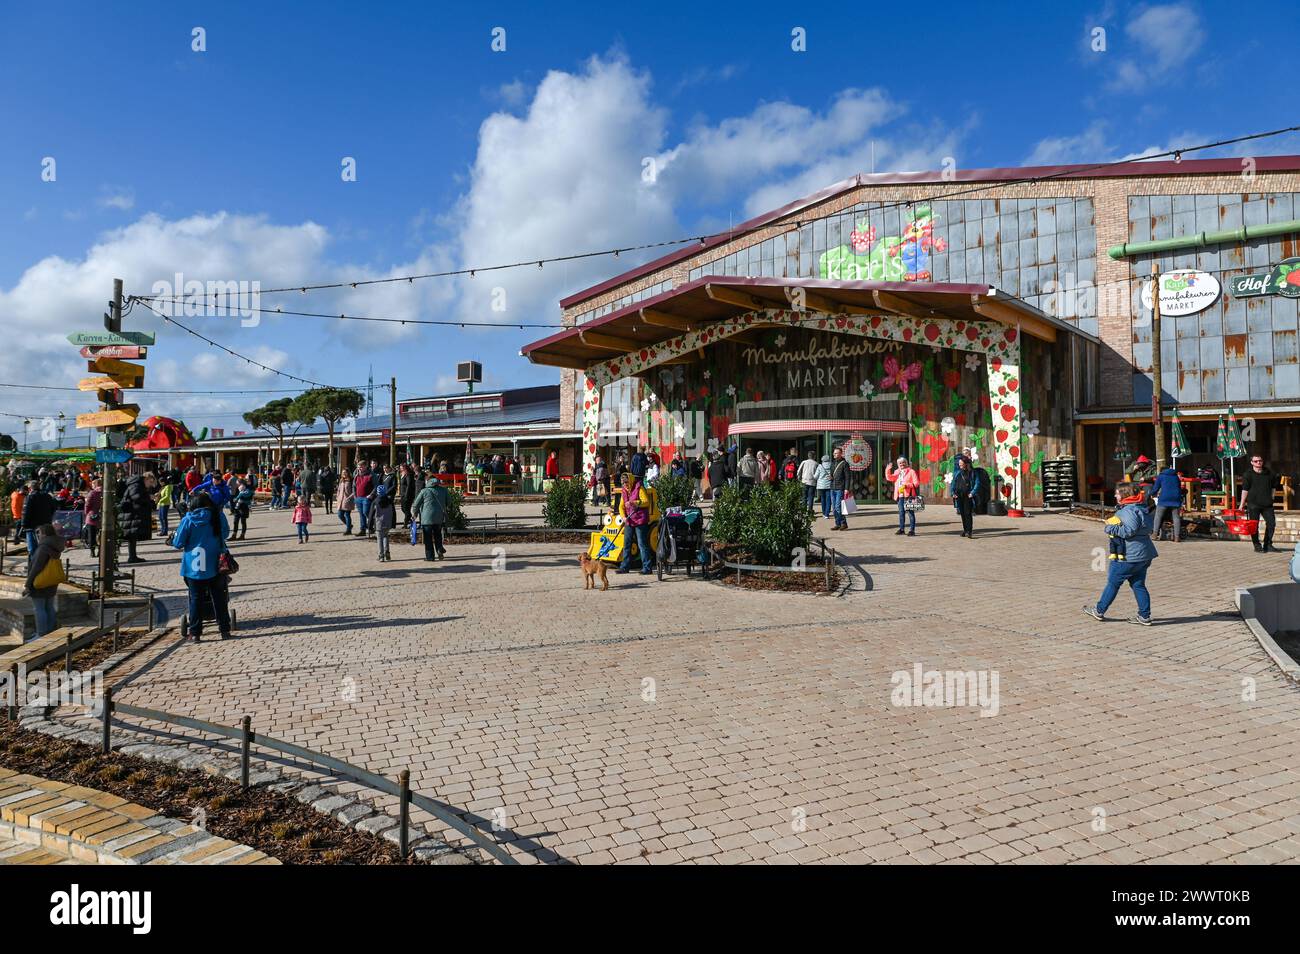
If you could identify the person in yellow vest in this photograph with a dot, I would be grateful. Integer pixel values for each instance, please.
(635, 507)
(44, 574)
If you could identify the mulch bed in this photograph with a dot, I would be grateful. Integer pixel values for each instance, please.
(276, 824)
(84, 660)
(540, 535)
(772, 580)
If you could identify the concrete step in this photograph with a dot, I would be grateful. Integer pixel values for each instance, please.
(18, 618)
(72, 599)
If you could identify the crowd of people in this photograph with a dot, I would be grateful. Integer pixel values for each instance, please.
(213, 510)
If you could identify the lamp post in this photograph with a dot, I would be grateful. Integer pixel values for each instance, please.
(62, 427)
(27, 422)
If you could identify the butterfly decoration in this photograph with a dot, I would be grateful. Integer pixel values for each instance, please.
(900, 377)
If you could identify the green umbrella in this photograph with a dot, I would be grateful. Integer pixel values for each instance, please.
(1227, 445)
(1178, 447)
(1122, 453)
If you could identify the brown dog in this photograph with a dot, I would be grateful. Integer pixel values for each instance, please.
(590, 570)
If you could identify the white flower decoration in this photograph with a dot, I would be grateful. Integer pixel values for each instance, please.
(974, 454)
(681, 405)
(1030, 428)
(947, 478)
(707, 374)
(866, 389)
(645, 405)
(731, 390)
(714, 446)
(972, 362)
(947, 426)
(780, 341)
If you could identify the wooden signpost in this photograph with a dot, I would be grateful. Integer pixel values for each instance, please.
(104, 351)
(114, 351)
(93, 338)
(120, 416)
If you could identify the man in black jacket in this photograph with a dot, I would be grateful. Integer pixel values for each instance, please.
(839, 486)
(1257, 488)
(717, 476)
(135, 512)
(38, 510)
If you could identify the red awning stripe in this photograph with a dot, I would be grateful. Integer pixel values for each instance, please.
(767, 427)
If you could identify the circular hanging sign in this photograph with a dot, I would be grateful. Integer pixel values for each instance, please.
(1183, 293)
(857, 452)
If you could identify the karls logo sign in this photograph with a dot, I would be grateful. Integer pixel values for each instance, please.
(75, 907)
(1183, 293)
(1283, 280)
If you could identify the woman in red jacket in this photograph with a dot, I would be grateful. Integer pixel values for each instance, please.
(906, 484)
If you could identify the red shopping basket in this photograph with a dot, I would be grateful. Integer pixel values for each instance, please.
(1237, 524)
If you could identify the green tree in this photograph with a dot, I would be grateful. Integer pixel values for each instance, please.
(330, 405)
(273, 417)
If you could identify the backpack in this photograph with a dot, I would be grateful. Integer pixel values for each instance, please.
(791, 470)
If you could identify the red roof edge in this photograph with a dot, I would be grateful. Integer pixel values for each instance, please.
(1136, 167)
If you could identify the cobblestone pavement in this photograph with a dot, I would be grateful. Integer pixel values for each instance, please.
(686, 721)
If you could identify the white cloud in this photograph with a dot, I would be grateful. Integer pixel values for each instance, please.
(114, 197)
(1165, 38)
(565, 176)
(1094, 144)
(1087, 146)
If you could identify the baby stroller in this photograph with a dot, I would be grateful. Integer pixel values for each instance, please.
(681, 534)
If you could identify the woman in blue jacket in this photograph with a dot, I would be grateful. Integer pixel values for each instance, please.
(202, 537)
(1167, 493)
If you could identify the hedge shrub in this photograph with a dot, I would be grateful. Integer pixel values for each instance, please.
(566, 505)
(767, 522)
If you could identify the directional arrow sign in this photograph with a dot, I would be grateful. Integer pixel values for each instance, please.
(126, 414)
(94, 384)
(124, 375)
(114, 351)
(81, 338)
(109, 455)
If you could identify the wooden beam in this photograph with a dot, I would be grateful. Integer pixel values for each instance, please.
(661, 319)
(742, 299)
(1004, 314)
(598, 339)
(559, 360)
(888, 301)
(819, 302)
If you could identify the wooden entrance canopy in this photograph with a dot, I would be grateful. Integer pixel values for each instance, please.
(710, 299)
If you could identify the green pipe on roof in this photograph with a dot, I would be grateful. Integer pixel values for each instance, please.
(1201, 239)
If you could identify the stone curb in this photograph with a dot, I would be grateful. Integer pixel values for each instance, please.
(85, 824)
(323, 797)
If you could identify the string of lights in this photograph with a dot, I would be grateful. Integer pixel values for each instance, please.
(1073, 172)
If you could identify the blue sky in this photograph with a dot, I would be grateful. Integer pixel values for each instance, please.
(225, 164)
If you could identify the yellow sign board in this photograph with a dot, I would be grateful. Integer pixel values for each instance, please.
(114, 366)
(126, 414)
(95, 384)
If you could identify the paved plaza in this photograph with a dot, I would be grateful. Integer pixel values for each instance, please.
(688, 721)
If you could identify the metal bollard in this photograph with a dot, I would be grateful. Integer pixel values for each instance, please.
(151, 611)
(108, 720)
(117, 627)
(13, 692)
(404, 813)
(67, 653)
(244, 746)
(101, 613)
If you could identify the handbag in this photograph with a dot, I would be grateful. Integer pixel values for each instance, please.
(415, 531)
(51, 575)
(915, 503)
(848, 504)
(227, 565)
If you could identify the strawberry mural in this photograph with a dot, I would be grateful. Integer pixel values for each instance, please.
(894, 258)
